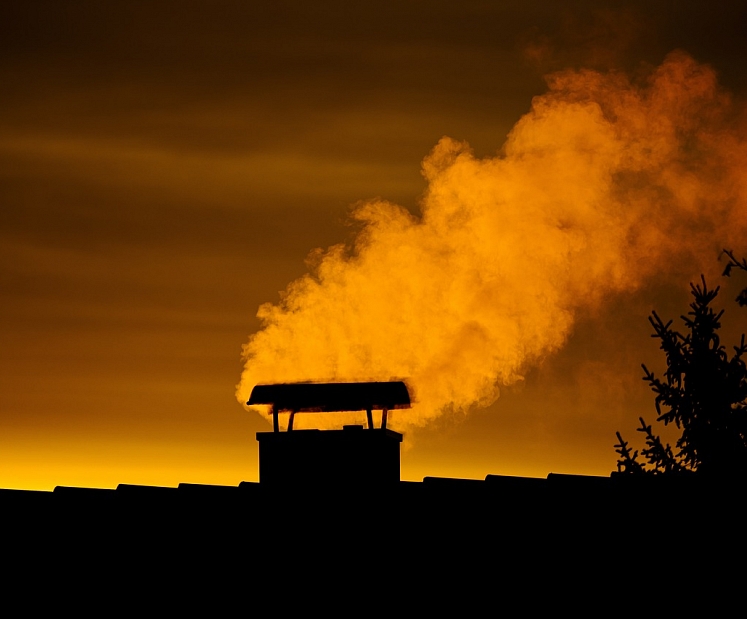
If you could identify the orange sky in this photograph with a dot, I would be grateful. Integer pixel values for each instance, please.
(166, 170)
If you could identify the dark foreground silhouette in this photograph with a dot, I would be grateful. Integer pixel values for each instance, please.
(461, 544)
(344, 537)
(495, 509)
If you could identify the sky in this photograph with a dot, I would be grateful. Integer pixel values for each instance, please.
(487, 199)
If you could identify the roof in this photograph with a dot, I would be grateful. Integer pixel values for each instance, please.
(331, 397)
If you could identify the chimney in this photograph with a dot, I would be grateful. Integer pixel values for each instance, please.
(352, 456)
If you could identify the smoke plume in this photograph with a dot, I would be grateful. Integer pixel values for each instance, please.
(605, 182)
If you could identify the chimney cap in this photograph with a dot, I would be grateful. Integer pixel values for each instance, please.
(332, 397)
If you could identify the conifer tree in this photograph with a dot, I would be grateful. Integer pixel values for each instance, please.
(703, 392)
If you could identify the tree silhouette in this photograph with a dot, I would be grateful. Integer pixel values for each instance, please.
(703, 393)
(736, 264)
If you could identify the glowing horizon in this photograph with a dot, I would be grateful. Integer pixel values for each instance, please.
(161, 183)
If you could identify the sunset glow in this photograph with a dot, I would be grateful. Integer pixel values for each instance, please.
(485, 200)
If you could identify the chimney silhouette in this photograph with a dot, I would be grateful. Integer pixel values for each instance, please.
(353, 455)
